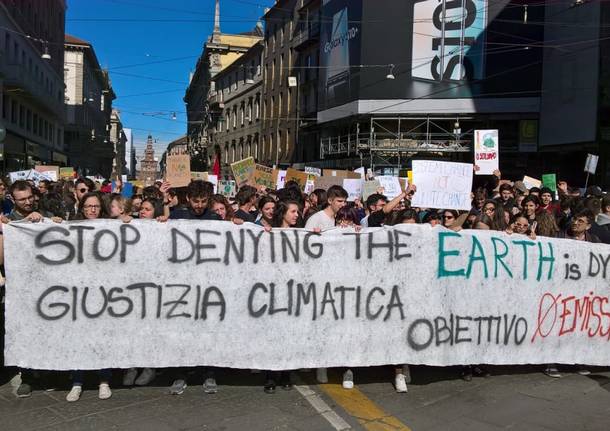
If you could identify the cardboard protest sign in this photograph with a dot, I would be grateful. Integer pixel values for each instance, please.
(178, 170)
(67, 173)
(313, 171)
(263, 176)
(341, 174)
(204, 281)
(199, 176)
(51, 172)
(550, 181)
(530, 182)
(486, 151)
(361, 171)
(354, 188)
(442, 185)
(299, 177)
(243, 171)
(325, 182)
(390, 184)
(369, 188)
(227, 188)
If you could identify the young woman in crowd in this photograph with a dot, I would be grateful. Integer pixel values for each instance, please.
(450, 220)
(136, 204)
(221, 206)
(91, 207)
(286, 214)
(266, 208)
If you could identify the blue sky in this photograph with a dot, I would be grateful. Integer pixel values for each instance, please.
(156, 39)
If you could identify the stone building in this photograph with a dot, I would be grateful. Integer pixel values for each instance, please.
(32, 83)
(219, 51)
(89, 97)
(149, 167)
(236, 108)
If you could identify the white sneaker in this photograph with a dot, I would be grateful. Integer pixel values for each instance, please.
(401, 383)
(147, 376)
(321, 375)
(74, 394)
(130, 377)
(407, 373)
(104, 392)
(348, 380)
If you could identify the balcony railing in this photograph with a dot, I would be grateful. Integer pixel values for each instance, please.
(309, 34)
(16, 76)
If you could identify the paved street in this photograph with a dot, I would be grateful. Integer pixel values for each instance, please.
(518, 398)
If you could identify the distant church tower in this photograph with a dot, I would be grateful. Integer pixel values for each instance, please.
(148, 165)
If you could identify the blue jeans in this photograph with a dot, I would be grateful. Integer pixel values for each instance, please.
(78, 376)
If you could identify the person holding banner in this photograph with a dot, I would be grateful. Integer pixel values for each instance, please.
(220, 205)
(246, 201)
(266, 207)
(336, 197)
(286, 214)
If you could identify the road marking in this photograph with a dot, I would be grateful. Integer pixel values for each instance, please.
(358, 405)
(322, 408)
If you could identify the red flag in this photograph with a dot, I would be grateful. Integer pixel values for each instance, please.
(216, 167)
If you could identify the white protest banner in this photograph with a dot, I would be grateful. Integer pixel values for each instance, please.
(214, 180)
(486, 151)
(530, 182)
(443, 185)
(361, 171)
(281, 179)
(369, 187)
(149, 294)
(19, 175)
(353, 188)
(391, 185)
(591, 163)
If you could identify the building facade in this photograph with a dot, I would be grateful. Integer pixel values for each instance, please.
(31, 83)
(236, 109)
(149, 166)
(279, 126)
(119, 141)
(88, 97)
(219, 51)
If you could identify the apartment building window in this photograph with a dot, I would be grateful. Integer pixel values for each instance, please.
(241, 114)
(272, 113)
(235, 117)
(28, 123)
(262, 156)
(273, 38)
(40, 127)
(287, 148)
(265, 109)
(35, 124)
(5, 105)
(257, 108)
(7, 45)
(230, 84)
(282, 35)
(281, 70)
(236, 80)
(15, 53)
(21, 116)
(280, 112)
(273, 74)
(250, 111)
(278, 144)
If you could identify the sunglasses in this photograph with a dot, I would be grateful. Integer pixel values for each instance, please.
(449, 217)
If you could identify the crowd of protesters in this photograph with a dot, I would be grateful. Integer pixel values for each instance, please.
(496, 205)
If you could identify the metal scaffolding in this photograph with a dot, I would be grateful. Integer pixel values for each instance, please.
(390, 141)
